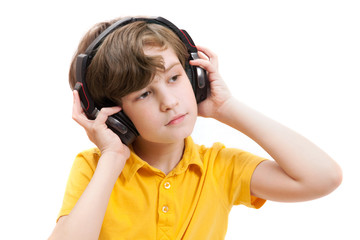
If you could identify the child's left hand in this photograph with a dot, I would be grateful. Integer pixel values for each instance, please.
(219, 91)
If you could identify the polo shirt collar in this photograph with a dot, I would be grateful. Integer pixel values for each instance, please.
(191, 156)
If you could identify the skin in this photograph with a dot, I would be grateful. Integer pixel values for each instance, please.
(299, 170)
(169, 106)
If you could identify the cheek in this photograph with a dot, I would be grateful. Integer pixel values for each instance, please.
(189, 95)
(144, 119)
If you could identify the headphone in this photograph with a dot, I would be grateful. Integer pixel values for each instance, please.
(119, 122)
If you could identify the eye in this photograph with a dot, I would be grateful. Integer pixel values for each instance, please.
(144, 95)
(174, 78)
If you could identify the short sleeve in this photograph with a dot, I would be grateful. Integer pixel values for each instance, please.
(234, 169)
(80, 175)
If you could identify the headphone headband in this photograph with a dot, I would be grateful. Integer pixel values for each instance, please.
(182, 34)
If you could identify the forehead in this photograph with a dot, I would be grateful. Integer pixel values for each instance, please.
(168, 55)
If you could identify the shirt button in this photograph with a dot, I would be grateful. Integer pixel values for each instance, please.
(165, 209)
(167, 185)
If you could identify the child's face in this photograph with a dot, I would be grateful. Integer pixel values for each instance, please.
(165, 111)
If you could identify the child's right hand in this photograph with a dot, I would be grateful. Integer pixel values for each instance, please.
(98, 132)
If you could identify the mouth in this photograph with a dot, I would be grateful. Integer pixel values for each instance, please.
(176, 120)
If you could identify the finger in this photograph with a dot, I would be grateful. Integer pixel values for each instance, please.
(76, 102)
(205, 64)
(210, 56)
(207, 51)
(104, 113)
(203, 56)
(78, 113)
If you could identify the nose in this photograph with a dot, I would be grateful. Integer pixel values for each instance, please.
(168, 101)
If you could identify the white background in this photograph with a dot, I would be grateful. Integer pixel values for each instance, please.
(295, 61)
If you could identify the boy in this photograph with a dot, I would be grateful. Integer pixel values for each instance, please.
(163, 186)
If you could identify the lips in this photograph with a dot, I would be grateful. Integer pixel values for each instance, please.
(176, 119)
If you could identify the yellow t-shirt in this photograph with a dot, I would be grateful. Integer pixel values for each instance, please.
(192, 202)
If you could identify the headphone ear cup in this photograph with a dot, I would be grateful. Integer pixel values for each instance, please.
(199, 81)
(123, 127)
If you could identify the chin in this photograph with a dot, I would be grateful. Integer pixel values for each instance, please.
(167, 137)
(175, 137)
(181, 136)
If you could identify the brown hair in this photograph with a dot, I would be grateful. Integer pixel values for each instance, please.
(120, 66)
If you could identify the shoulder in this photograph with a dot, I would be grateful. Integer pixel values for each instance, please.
(219, 152)
(87, 159)
(231, 169)
(91, 153)
(219, 159)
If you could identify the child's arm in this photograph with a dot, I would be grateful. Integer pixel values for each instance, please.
(85, 219)
(301, 170)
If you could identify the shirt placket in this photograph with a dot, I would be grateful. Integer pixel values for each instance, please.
(166, 208)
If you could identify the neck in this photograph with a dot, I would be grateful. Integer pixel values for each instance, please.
(163, 156)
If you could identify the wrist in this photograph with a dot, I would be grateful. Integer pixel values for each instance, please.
(113, 160)
(116, 150)
(225, 111)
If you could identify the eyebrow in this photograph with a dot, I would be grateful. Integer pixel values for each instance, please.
(171, 66)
